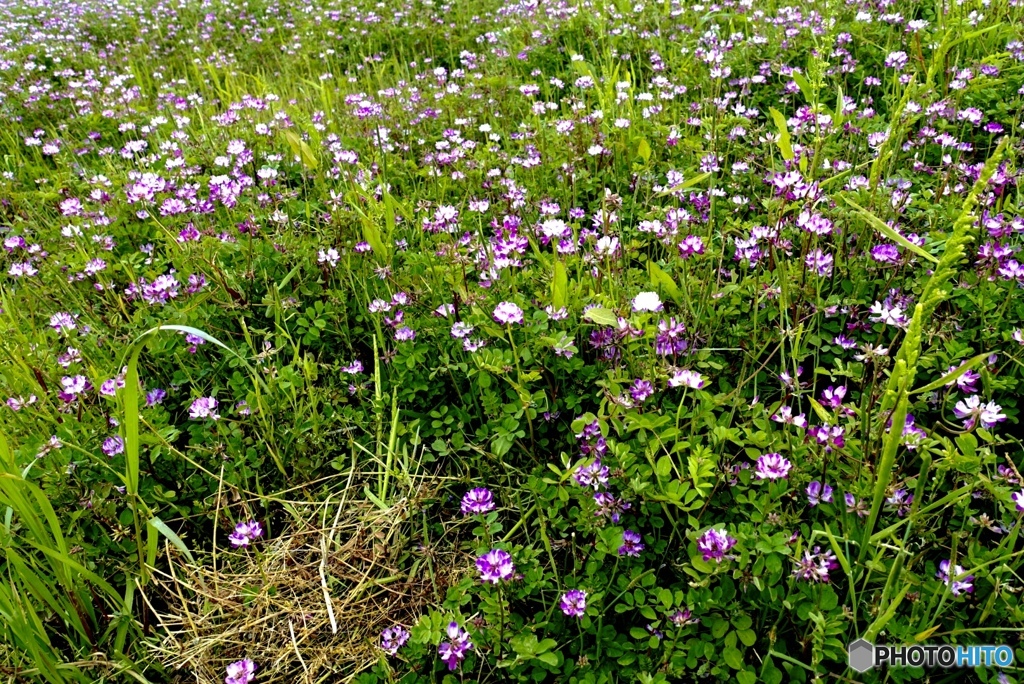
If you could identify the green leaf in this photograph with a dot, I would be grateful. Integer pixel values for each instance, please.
(548, 658)
(820, 410)
(559, 286)
(601, 316)
(160, 526)
(805, 87)
(300, 149)
(783, 142)
(742, 622)
(661, 279)
(372, 235)
(694, 181)
(733, 657)
(953, 375)
(643, 150)
(838, 116)
(638, 633)
(663, 467)
(746, 677)
(770, 673)
(689, 183)
(546, 645)
(747, 636)
(370, 495)
(880, 225)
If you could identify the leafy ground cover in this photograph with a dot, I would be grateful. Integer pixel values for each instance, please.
(537, 341)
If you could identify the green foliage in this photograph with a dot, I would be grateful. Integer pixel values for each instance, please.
(664, 278)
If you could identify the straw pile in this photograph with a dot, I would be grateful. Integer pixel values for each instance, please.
(307, 606)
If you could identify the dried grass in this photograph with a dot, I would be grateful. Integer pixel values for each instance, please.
(307, 606)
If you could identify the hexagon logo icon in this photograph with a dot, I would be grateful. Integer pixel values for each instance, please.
(861, 655)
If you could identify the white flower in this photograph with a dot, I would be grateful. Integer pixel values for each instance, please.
(329, 256)
(686, 378)
(647, 301)
(887, 315)
(606, 245)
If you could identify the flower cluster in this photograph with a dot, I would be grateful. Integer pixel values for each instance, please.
(574, 602)
(477, 501)
(815, 565)
(245, 533)
(714, 544)
(241, 672)
(453, 651)
(495, 566)
(772, 467)
(393, 638)
(957, 580)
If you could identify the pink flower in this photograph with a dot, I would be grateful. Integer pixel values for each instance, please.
(507, 313)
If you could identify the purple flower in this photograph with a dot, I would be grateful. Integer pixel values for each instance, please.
(574, 603)
(971, 410)
(912, 435)
(820, 262)
(885, 254)
(203, 407)
(844, 342)
(405, 334)
(593, 474)
(495, 566)
(882, 312)
(75, 385)
(854, 506)
(461, 330)
(786, 417)
(108, 388)
(476, 501)
(609, 506)
(686, 378)
(832, 397)
(832, 437)
(1018, 500)
(641, 390)
(814, 223)
(681, 618)
(453, 651)
(112, 446)
(393, 638)
(818, 492)
(670, 338)
(815, 565)
(772, 467)
(63, 322)
(631, 544)
(896, 60)
(714, 544)
(967, 382)
(155, 396)
(507, 313)
(241, 672)
(245, 533)
(690, 246)
(900, 501)
(956, 586)
(353, 368)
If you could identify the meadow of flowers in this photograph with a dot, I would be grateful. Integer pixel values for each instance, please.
(552, 340)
